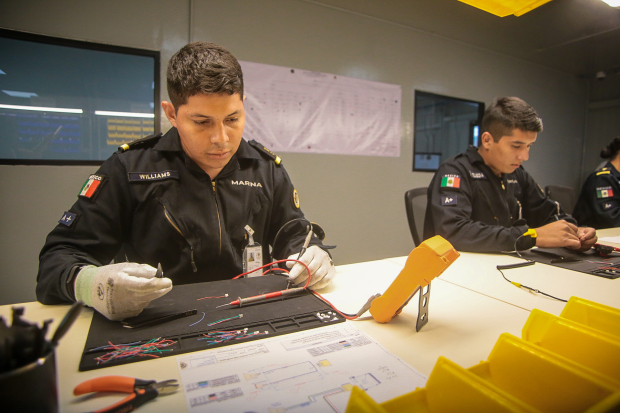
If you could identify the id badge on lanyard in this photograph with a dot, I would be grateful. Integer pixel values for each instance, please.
(252, 255)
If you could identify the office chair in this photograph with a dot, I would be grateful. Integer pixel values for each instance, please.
(415, 204)
(565, 195)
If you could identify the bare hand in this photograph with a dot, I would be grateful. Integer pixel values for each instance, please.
(587, 237)
(558, 234)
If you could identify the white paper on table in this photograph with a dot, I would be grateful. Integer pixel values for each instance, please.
(294, 110)
(309, 371)
(614, 240)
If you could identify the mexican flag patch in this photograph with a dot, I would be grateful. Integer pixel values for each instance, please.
(451, 181)
(604, 192)
(90, 187)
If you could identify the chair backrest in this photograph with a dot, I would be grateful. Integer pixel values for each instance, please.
(415, 204)
(565, 195)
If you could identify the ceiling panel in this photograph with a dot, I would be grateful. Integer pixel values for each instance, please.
(580, 37)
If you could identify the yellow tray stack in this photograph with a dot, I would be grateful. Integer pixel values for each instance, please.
(569, 363)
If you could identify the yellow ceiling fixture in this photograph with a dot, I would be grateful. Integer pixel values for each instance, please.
(503, 8)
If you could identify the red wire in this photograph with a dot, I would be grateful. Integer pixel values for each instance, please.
(276, 269)
(332, 306)
(305, 286)
(278, 262)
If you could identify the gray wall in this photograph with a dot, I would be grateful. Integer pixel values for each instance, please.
(357, 199)
(603, 120)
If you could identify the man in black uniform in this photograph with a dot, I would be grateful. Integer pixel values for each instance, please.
(191, 200)
(484, 201)
(599, 201)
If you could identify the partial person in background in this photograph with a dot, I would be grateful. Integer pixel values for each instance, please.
(598, 205)
(484, 201)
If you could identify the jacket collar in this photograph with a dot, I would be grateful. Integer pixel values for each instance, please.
(473, 156)
(171, 142)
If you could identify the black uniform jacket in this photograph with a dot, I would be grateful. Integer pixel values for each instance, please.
(475, 210)
(598, 205)
(155, 205)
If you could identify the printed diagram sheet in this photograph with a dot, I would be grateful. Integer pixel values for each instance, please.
(295, 110)
(310, 371)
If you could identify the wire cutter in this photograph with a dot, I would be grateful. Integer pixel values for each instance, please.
(141, 390)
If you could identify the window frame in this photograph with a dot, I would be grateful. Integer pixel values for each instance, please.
(420, 93)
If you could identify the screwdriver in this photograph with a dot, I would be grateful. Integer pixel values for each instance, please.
(248, 300)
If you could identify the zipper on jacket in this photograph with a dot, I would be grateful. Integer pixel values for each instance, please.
(171, 220)
(219, 221)
(520, 209)
(505, 200)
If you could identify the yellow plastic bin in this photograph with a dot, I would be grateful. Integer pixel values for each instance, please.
(593, 348)
(541, 378)
(562, 364)
(598, 316)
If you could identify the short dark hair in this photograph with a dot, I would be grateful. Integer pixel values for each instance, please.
(611, 151)
(508, 113)
(202, 67)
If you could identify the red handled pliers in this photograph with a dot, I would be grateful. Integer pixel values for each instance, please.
(141, 390)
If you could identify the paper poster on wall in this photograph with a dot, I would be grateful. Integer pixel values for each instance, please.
(294, 110)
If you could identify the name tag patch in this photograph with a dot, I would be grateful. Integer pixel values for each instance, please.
(604, 192)
(91, 186)
(152, 176)
(448, 200)
(477, 175)
(451, 181)
(68, 218)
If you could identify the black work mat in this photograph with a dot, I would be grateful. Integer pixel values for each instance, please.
(589, 262)
(276, 316)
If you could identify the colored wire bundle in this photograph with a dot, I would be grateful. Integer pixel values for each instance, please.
(121, 351)
(215, 337)
(224, 319)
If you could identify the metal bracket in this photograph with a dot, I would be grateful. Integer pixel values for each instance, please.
(423, 307)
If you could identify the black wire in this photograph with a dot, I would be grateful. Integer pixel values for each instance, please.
(532, 289)
(285, 225)
(516, 250)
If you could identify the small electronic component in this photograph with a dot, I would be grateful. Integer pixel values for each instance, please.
(252, 255)
(425, 262)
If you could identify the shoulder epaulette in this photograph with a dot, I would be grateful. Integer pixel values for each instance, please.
(138, 142)
(262, 149)
(603, 173)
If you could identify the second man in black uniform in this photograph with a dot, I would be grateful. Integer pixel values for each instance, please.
(484, 201)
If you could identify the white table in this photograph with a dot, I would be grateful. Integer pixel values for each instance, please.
(478, 272)
(470, 306)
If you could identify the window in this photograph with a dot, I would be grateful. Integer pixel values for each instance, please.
(72, 102)
(444, 127)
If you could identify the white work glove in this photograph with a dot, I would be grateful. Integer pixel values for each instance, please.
(320, 265)
(119, 291)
